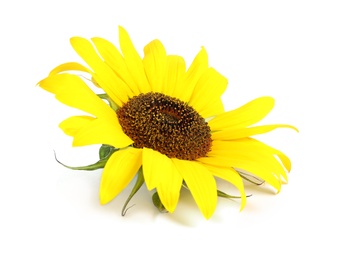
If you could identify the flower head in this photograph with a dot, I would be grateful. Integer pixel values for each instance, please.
(163, 123)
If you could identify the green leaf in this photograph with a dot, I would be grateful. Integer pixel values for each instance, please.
(98, 165)
(136, 187)
(105, 151)
(158, 203)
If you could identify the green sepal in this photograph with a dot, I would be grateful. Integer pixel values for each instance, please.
(184, 185)
(110, 101)
(136, 187)
(227, 196)
(105, 151)
(159, 205)
(98, 165)
(91, 167)
(250, 178)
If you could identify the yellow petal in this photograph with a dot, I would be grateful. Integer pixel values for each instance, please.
(169, 185)
(72, 124)
(243, 116)
(201, 184)
(247, 150)
(101, 131)
(174, 76)
(104, 75)
(133, 61)
(247, 166)
(247, 156)
(218, 161)
(69, 66)
(115, 60)
(120, 169)
(262, 173)
(283, 158)
(210, 87)
(160, 173)
(233, 134)
(152, 168)
(230, 175)
(194, 73)
(72, 91)
(155, 62)
(216, 108)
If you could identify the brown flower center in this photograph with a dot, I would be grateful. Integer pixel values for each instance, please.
(165, 124)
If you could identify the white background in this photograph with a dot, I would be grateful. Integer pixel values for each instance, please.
(303, 53)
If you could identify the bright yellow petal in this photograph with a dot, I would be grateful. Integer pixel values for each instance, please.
(210, 87)
(169, 185)
(216, 108)
(283, 158)
(73, 124)
(233, 134)
(155, 63)
(248, 156)
(252, 167)
(103, 74)
(101, 131)
(243, 116)
(72, 91)
(194, 73)
(201, 184)
(152, 168)
(261, 173)
(120, 169)
(218, 161)
(247, 150)
(230, 175)
(174, 76)
(160, 173)
(133, 61)
(68, 67)
(115, 60)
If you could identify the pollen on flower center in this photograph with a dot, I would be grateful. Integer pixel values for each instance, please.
(165, 124)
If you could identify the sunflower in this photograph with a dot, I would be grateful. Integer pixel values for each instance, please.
(163, 123)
